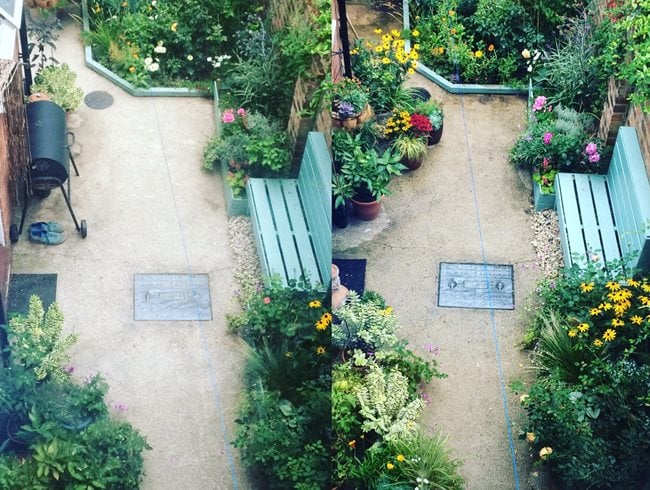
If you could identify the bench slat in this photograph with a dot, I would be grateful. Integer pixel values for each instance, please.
(572, 226)
(262, 220)
(611, 249)
(588, 218)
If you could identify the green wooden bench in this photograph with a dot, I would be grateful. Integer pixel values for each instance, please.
(607, 217)
(292, 219)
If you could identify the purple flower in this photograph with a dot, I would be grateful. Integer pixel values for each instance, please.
(547, 138)
(552, 285)
(591, 148)
(346, 109)
(426, 398)
(68, 369)
(594, 157)
(539, 103)
(120, 407)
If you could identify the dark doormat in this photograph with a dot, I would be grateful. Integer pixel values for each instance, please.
(171, 297)
(352, 273)
(487, 286)
(22, 286)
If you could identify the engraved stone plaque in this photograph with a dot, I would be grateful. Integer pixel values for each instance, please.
(486, 286)
(171, 297)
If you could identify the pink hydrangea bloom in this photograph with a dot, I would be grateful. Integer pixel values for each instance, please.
(241, 111)
(591, 148)
(539, 103)
(594, 158)
(547, 138)
(228, 116)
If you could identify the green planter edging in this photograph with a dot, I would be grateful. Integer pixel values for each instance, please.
(456, 88)
(123, 84)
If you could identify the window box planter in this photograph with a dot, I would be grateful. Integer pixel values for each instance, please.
(236, 205)
(542, 201)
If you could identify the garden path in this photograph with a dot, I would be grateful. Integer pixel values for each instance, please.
(465, 204)
(150, 209)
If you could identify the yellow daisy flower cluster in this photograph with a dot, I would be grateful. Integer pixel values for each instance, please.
(398, 123)
(324, 321)
(622, 305)
(315, 304)
(392, 49)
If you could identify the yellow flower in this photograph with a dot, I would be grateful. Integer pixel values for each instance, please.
(633, 283)
(530, 437)
(400, 458)
(352, 443)
(395, 33)
(131, 69)
(595, 311)
(545, 452)
(414, 55)
(386, 38)
(135, 55)
(491, 48)
(289, 354)
(525, 54)
(410, 71)
(609, 335)
(598, 343)
(379, 49)
(606, 306)
(415, 33)
(583, 327)
(414, 64)
(320, 350)
(617, 322)
(441, 49)
(378, 31)
(416, 46)
(636, 319)
(613, 286)
(585, 288)
(327, 317)
(478, 53)
(645, 287)
(354, 51)
(173, 26)
(644, 300)
(390, 466)
(453, 31)
(385, 61)
(451, 13)
(320, 325)
(315, 304)
(573, 332)
(125, 4)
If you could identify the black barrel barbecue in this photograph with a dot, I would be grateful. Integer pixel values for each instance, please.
(50, 156)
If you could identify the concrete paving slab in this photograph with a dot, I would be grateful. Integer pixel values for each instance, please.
(150, 209)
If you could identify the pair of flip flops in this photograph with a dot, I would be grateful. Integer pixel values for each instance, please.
(48, 233)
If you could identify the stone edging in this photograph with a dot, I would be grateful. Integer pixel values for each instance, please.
(123, 84)
(456, 88)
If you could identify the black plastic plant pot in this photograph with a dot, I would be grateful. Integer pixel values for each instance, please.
(420, 94)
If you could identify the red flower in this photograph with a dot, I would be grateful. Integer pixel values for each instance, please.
(267, 300)
(420, 124)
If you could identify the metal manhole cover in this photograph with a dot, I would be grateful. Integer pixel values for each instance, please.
(99, 99)
(476, 286)
(171, 297)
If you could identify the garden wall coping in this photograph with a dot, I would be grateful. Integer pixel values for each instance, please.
(456, 88)
(123, 84)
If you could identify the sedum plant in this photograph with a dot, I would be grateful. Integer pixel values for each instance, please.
(58, 81)
(36, 343)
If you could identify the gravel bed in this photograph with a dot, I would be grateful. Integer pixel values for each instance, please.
(546, 241)
(246, 269)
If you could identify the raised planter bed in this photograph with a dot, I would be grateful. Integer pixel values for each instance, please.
(123, 84)
(457, 88)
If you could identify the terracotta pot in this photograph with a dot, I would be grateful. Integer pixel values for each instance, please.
(36, 96)
(43, 4)
(366, 210)
(435, 135)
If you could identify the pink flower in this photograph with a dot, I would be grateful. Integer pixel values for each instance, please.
(228, 116)
(267, 300)
(546, 163)
(241, 111)
(539, 103)
(547, 138)
(591, 148)
(594, 157)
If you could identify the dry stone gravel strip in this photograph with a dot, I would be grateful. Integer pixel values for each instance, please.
(246, 270)
(546, 241)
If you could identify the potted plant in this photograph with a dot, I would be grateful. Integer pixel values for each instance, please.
(411, 150)
(349, 103)
(342, 192)
(544, 188)
(433, 111)
(58, 81)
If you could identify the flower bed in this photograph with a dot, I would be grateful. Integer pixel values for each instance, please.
(588, 410)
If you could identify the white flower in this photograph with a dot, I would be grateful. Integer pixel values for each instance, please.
(209, 58)
(426, 481)
(153, 67)
(148, 60)
(160, 49)
(190, 57)
(217, 65)
(153, 3)
(530, 68)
